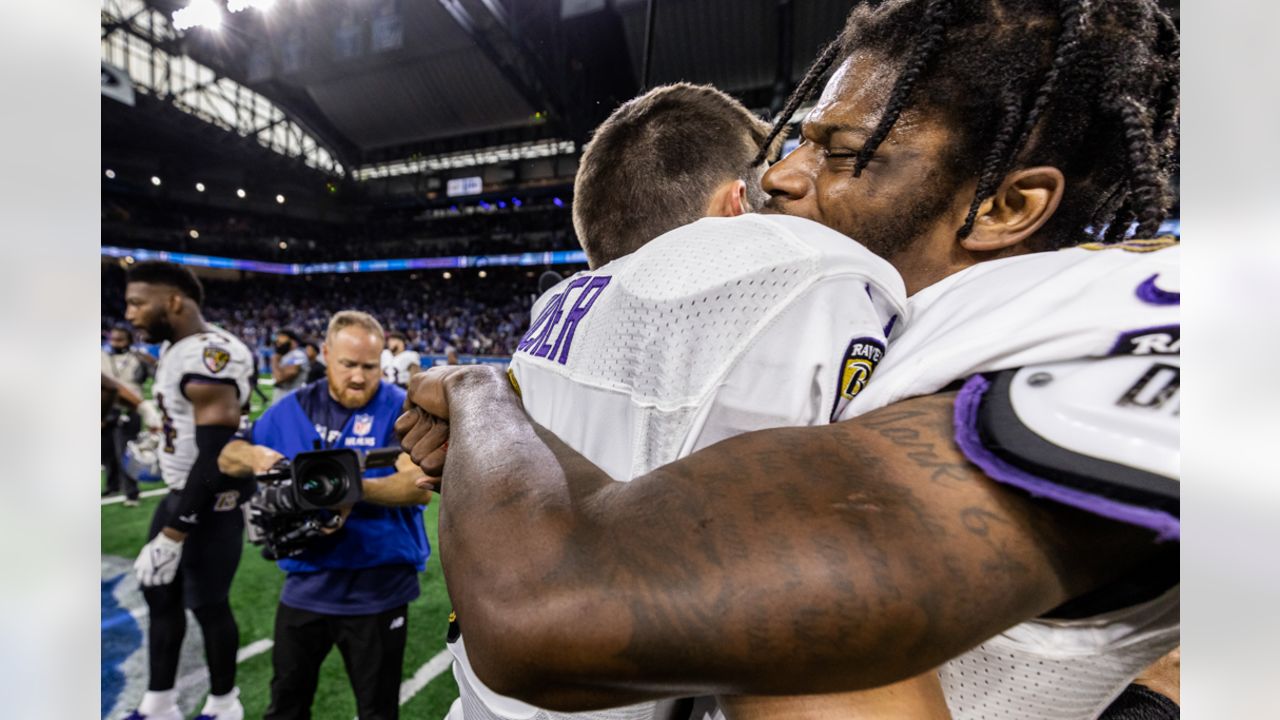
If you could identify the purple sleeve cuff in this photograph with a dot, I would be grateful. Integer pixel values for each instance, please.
(1166, 526)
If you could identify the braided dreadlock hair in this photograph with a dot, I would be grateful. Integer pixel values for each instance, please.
(1087, 86)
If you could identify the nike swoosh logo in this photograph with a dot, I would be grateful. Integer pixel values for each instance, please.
(1149, 292)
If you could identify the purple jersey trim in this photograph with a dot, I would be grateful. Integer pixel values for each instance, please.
(1149, 292)
(966, 416)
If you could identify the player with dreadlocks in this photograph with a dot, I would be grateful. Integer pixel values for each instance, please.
(1000, 498)
(1096, 98)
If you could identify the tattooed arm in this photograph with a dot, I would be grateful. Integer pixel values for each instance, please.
(785, 561)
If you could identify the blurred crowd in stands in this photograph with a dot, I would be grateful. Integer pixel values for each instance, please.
(471, 314)
(139, 221)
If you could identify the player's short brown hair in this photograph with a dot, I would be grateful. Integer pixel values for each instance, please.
(346, 318)
(653, 164)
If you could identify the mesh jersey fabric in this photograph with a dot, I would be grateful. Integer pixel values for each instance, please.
(719, 327)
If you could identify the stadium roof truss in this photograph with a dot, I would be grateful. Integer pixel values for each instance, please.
(471, 158)
(141, 41)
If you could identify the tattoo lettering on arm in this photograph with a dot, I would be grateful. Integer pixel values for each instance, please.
(851, 555)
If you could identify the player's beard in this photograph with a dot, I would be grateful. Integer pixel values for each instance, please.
(157, 330)
(890, 234)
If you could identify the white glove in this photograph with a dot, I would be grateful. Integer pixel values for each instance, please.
(157, 564)
(150, 415)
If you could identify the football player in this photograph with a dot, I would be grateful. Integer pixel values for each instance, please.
(201, 389)
(1022, 529)
(398, 362)
(684, 359)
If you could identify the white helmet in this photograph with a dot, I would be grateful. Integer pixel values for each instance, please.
(141, 459)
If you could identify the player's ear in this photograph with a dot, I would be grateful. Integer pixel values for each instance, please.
(1021, 206)
(728, 200)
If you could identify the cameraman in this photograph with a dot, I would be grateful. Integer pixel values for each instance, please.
(350, 588)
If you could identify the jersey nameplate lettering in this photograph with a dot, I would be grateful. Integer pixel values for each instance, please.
(555, 321)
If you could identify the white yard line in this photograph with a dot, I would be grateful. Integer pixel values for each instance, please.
(434, 668)
(195, 677)
(144, 494)
(257, 647)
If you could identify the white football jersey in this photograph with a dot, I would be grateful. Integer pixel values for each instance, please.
(720, 327)
(1121, 302)
(1031, 309)
(395, 368)
(211, 356)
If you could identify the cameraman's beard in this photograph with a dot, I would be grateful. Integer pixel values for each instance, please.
(351, 398)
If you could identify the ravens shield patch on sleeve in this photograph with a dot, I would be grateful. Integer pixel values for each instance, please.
(859, 362)
(216, 358)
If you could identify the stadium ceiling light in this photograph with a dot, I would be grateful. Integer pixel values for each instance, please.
(484, 274)
(198, 13)
(199, 187)
(195, 234)
(447, 275)
(280, 199)
(236, 6)
(240, 193)
(111, 174)
(155, 181)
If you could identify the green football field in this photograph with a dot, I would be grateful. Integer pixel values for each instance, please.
(254, 595)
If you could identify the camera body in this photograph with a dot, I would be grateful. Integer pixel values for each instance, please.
(299, 500)
(314, 480)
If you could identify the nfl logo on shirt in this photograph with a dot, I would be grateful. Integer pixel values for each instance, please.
(362, 425)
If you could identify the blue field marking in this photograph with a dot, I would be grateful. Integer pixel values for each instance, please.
(121, 637)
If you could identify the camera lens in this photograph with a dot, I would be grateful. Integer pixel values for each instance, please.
(324, 484)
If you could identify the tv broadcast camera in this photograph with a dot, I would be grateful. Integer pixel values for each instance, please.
(298, 500)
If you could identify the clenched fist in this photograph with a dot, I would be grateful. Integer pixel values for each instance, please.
(426, 439)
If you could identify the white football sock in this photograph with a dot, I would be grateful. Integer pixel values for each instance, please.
(155, 702)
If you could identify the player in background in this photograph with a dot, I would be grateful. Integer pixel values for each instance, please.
(762, 337)
(201, 388)
(966, 143)
(127, 368)
(288, 364)
(398, 362)
(316, 368)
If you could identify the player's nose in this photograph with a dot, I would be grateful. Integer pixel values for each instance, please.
(790, 181)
